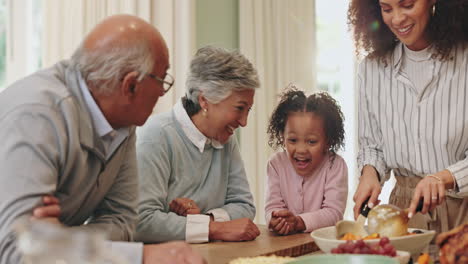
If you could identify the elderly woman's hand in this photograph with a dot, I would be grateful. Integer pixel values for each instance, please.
(242, 229)
(184, 206)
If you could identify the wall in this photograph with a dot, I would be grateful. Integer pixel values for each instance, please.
(217, 23)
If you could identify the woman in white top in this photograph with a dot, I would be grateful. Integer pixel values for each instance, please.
(413, 106)
(193, 184)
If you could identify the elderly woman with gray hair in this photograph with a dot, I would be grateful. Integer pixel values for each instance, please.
(193, 184)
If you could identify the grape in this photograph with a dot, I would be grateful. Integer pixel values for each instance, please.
(365, 250)
(360, 243)
(388, 247)
(384, 240)
(349, 247)
(336, 251)
(383, 247)
(381, 251)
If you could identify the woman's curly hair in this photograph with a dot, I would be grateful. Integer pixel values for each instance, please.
(321, 104)
(447, 27)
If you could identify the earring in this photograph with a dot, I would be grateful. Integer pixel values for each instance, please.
(204, 112)
(433, 10)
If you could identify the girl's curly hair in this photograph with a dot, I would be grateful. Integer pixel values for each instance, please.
(321, 104)
(447, 28)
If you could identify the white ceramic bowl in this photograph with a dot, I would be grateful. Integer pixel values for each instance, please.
(325, 238)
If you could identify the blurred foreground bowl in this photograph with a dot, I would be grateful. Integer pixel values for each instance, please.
(344, 258)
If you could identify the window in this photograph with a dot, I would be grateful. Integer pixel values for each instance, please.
(335, 74)
(20, 43)
(2, 43)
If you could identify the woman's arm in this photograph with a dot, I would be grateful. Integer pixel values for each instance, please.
(371, 161)
(432, 188)
(155, 222)
(459, 171)
(369, 131)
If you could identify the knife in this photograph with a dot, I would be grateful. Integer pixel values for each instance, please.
(419, 207)
(363, 212)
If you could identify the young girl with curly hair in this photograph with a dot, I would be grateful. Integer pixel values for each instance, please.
(307, 180)
(413, 97)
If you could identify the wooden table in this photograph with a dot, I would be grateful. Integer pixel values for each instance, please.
(266, 243)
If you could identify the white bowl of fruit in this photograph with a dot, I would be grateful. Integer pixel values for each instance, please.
(414, 242)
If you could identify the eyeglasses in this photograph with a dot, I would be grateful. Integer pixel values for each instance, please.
(167, 82)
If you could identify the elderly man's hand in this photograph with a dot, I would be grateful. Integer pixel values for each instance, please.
(49, 211)
(184, 206)
(170, 253)
(242, 229)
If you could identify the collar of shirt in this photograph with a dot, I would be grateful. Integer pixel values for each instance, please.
(397, 56)
(100, 123)
(401, 49)
(191, 131)
(420, 55)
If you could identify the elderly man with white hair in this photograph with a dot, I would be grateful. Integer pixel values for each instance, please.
(68, 139)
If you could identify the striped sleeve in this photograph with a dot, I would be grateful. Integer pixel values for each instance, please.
(460, 171)
(370, 135)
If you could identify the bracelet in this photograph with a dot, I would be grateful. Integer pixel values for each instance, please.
(435, 177)
(454, 181)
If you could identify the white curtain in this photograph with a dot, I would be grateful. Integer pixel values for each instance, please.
(278, 37)
(21, 40)
(66, 22)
